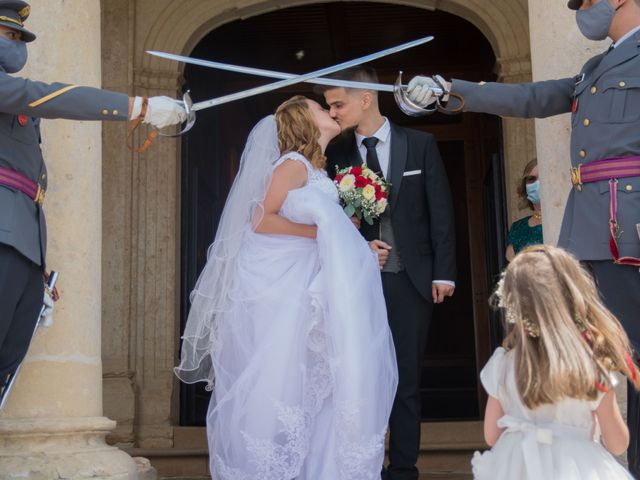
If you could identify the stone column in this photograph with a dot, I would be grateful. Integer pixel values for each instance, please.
(53, 426)
(558, 50)
(518, 135)
(141, 236)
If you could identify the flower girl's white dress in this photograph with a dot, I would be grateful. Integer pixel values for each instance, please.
(306, 371)
(552, 442)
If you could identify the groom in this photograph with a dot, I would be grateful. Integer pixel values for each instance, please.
(414, 240)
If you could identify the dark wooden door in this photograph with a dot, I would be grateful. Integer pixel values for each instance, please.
(303, 39)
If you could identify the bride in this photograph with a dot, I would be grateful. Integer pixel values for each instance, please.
(288, 322)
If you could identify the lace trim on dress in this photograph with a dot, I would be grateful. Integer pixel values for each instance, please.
(283, 456)
(273, 460)
(357, 454)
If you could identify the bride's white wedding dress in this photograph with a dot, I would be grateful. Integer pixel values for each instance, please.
(305, 369)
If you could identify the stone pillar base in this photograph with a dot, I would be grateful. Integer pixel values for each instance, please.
(69, 448)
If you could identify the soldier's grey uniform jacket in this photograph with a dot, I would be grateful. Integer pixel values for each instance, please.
(22, 103)
(605, 124)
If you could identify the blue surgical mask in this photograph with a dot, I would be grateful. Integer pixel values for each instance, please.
(533, 192)
(594, 22)
(13, 55)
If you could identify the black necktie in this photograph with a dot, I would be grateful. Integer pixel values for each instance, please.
(372, 156)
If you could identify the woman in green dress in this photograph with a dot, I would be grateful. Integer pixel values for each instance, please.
(528, 230)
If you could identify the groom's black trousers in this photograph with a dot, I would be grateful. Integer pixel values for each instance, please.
(409, 317)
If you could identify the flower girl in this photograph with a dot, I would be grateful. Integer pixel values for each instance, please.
(550, 388)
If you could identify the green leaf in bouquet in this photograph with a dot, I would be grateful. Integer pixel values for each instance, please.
(350, 210)
(367, 218)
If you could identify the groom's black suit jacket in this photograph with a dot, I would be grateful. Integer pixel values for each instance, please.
(421, 208)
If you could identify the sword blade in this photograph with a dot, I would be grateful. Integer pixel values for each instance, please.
(332, 82)
(301, 78)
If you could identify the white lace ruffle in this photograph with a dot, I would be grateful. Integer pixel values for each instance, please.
(283, 457)
(358, 455)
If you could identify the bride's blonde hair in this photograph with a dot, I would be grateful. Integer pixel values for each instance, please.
(565, 341)
(298, 132)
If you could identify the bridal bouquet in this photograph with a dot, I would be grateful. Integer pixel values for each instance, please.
(362, 192)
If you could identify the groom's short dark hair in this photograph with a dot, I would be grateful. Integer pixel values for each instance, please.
(353, 74)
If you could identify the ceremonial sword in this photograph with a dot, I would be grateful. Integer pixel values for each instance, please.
(332, 82)
(290, 79)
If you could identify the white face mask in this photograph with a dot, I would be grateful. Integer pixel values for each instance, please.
(594, 22)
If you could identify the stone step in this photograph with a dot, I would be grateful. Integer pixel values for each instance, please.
(428, 476)
(445, 452)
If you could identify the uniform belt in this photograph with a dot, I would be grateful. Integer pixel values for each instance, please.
(12, 179)
(610, 169)
(606, 169)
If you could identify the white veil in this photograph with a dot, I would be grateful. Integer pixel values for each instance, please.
(211, 296)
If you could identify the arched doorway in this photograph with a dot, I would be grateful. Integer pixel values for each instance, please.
(306, 38)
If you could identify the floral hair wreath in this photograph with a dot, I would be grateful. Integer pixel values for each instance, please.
(531, 328)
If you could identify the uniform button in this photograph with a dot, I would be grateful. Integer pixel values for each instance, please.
(44, 177)
(115, 112)
(583, 154)
(628, 188)
(622, 84)
(594, 89)
(105, 112)
(586, 122)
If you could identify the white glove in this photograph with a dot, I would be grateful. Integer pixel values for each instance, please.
(46, 318)
(161, 111)
(420, 90)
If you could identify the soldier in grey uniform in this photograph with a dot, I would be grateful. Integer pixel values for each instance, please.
(601, 223)
(23, 174)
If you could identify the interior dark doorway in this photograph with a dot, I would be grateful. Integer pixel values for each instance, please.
(306, 38)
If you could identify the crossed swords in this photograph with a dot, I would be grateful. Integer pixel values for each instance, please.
(286, 79)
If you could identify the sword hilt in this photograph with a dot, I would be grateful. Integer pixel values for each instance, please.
(191, 117)
(414, 110)
(51, 283)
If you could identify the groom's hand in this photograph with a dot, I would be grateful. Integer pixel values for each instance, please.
(441, 290)
(356, 221)
(382, 250)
